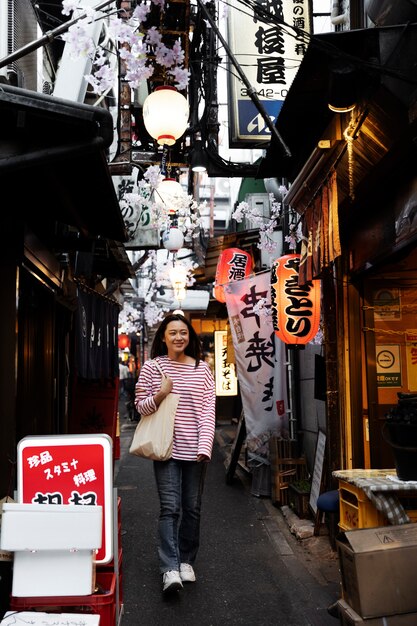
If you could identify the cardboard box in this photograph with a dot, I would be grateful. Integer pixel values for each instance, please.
(378, 570)
(348, 617)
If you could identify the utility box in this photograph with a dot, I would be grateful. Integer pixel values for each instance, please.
(378, 570)
(348, 617)
(54, 547)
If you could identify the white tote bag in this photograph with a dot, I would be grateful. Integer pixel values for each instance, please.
(154, 434)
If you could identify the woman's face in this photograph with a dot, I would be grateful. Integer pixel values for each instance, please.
(176, 337)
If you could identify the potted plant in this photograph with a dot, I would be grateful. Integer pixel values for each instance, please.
(299, 496)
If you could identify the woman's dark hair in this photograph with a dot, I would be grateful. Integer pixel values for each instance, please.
(159, 346)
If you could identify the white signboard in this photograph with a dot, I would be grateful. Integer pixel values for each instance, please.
(140, 228)
(14, 618)
(269, 53)
(69, 469)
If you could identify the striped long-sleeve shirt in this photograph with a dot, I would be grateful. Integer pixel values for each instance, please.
(195, 418)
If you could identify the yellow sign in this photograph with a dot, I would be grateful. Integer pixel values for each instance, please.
(225, 373)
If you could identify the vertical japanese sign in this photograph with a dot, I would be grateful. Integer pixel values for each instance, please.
(260, 360)
(411, 352)
(269, 50)
(69, 469)
(225, 374)
(136, 216)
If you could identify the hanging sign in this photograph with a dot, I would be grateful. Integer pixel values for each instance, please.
(260, 361)
(270, 52)
(295, 308)
(69, 469)
(225, 374)
(233, 264)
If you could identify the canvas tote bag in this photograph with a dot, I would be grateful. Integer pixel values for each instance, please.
(154, 433)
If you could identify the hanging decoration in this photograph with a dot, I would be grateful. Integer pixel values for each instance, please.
(295, 308)
(172, 239)
(124, 341)
(165, 115)
(170, 192)
(233, 264)
(178, 276)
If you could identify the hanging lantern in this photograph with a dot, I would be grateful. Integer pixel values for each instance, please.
(233, 264)
(165, 115)
(170, 192)
(178, 276)
(172, 239)
(124, 341)
(295, 308)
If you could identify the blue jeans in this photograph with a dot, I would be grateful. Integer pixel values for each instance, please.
(180, 487)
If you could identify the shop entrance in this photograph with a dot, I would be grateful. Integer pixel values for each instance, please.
(390, 350)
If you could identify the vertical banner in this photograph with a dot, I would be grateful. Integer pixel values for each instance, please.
(225, 374)
(260, 357)
(270, 51)
(96, 337)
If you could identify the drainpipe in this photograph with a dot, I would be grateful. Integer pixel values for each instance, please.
(336, 18)
(4, 33)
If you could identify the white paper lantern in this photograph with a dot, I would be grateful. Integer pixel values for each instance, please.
(172, 239)
(178, 276)
(165, 115)
(171, 193)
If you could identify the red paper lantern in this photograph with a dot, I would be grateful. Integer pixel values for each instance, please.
(124, 341)
(295, 309)
(233, 264)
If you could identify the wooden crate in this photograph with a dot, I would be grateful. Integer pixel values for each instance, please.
(286, 468)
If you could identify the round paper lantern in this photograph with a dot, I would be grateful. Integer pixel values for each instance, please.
(295, 309)
(124, 341)
(172, 239)
(170, 192)
(233, 264)
(165, 115)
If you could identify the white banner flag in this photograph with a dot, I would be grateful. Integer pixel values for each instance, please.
(260, 357)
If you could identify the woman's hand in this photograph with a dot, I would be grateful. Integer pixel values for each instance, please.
(166, 385)
(166, 388)
(202, 458)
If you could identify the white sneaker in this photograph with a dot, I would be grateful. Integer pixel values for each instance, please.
(171, 581)
(187, 573)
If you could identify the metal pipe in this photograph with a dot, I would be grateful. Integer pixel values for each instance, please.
(251, 90)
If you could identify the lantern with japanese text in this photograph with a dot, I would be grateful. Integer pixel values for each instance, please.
(295, 308)
(124, 341)
(233, 264)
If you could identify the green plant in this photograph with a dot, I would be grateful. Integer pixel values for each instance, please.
(303, 485)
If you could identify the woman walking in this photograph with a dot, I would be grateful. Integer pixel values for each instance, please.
(177, 349)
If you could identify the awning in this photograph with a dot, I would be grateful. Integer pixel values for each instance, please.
(380, 57)
(53, 165)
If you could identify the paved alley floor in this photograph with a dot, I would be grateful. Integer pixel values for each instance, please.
(250, 570)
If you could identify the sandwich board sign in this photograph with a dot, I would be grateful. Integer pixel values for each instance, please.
(69, 469)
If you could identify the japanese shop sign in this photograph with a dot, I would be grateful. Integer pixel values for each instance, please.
(259, 360)
(225, 374)
(411, 352)
(136, 216)
(269, 53)
(388, 365)
(69, 469)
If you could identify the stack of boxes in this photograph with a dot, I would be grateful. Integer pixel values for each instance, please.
(62, 578)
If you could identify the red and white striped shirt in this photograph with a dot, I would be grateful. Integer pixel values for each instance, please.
(195, 419)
